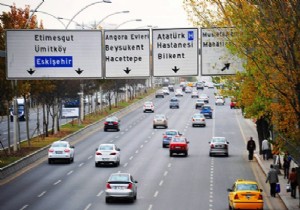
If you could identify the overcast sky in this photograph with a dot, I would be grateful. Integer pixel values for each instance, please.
(160, 13)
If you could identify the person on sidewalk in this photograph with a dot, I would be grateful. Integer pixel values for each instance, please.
(251, 147)
(286, 165)
(265, 146)
(293, 182)
(272, 178)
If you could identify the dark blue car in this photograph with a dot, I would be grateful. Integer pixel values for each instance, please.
(207, 111)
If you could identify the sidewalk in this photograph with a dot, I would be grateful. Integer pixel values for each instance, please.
(290, 203)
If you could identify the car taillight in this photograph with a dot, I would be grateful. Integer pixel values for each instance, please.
(236, 197)
(108, 186)
(115, 123)
(67, 150)
(51, 150)
(193, 119)
(129, 186)
(212, 146)
(260, 197)
(164, 136)
(225, 146)
(113, 153)
(105, 123)
(98, 153)
(203, 120)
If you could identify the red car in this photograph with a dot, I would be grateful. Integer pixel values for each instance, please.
(179, 145)
(232, 105)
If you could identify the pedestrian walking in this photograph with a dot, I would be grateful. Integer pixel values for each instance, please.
(293, 182)
(272, 178)
(251, 147)
(286, 165)
(265, 146)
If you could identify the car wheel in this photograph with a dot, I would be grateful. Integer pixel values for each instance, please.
(105, 129)
(107, 200)
(70, 160)
(229, 207)
(132, 199)
(154, 126)
(226, 154)
(171, 154)
(163, 146)
(135, 197)
(210, 154)
(96, 164)
(49, 161)
(166, 126)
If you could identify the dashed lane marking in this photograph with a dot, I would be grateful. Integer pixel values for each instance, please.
(43, 193)
(57, 182)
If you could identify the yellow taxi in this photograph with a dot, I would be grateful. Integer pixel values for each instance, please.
(245, 194)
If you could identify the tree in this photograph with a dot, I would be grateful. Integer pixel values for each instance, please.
(268, 38)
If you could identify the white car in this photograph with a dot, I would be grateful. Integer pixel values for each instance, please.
(198, 120)
(166, 91)
(61, 150)
(178, 92)
(107, 154)
(219, 101)
(148, 106)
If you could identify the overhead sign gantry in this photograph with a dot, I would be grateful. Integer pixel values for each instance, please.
(175, 52)
(127, 53)
(53, 54)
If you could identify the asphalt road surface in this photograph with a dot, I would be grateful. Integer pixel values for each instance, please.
(176, 183)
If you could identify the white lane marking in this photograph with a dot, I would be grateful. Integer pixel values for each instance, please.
(43, 193)
(81, 164)
(150, 207)
(24, 207)
(155, 194)
(69, 173)
(125, 164)
(126, 129)
(55, 183)
(165, 173)
(131, 158)
(146, 141)
(116, 137)
(90, 157)
(169, 165)
(100, 193)
(137, 151)
(141, 146)
(111, 141)
(88, 206)
(161, 182)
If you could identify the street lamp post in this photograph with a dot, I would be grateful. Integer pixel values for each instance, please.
(46, 13)
(104, 1)
(128, 22)
(115, 13)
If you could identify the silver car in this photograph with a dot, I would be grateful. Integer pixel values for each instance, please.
(198, 120)
(121, 186)
(61, 150)
(218, 145)
(160, 120)
(107, 154)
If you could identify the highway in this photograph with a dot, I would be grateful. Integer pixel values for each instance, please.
(176, 183)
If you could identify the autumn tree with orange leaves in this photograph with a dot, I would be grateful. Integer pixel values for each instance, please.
(269, 32)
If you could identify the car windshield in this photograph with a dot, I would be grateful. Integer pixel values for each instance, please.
(106, 147)
(159, 117)
(245, 187)
(206, 107)
(119, 178)
(174, 100)
(219, 140)
(59, 144)
(171, 133)
(178, 140)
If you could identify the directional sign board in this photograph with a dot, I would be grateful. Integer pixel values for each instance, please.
(53, 54)
(215, 56)
(175, 52)
(127, 53)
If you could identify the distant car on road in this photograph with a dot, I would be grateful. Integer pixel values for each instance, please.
(159, 94)
(198, 120)
(166, 91)
(219, 101)
(174, 103)
(121, 186)
(218, 146)
(160, 120)
(167, 136)
(179, 145)
(245, 194)
(199, 103)
(107, 154)
(207, 111)
(178, 92)
(112, 123)
(148, 106)
(61, 150)
(204, 97)
(194, 94)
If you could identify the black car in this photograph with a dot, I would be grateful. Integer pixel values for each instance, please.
(112, 123)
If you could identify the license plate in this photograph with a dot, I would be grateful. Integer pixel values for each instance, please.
(58, 152)
(177, 147)
(105, 159)
(119, 188)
